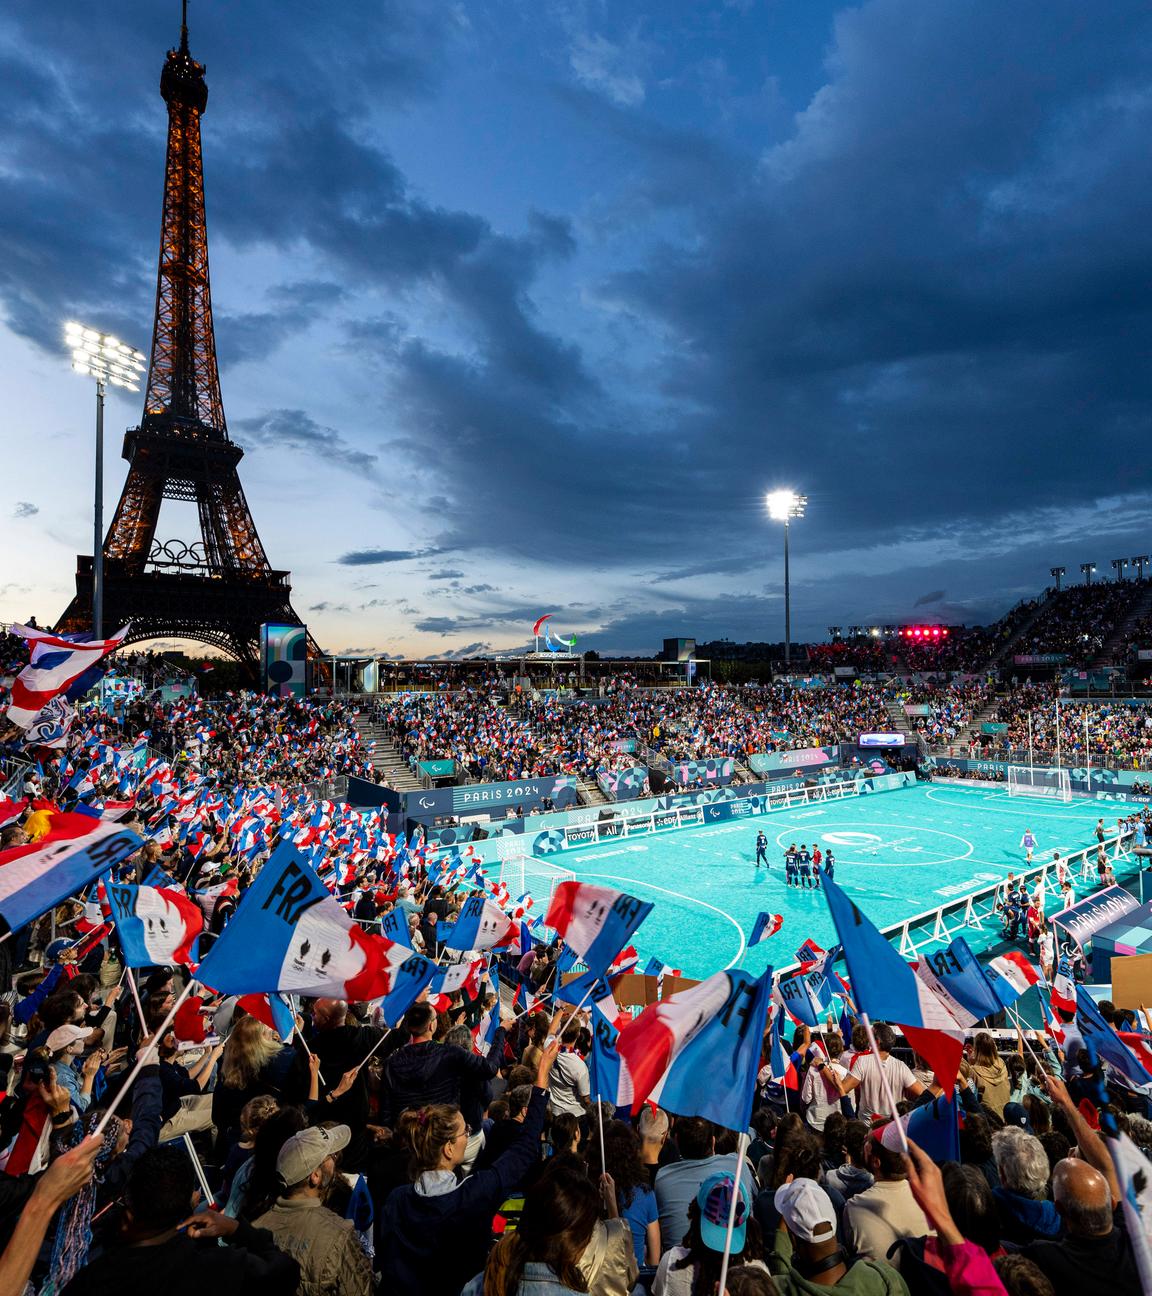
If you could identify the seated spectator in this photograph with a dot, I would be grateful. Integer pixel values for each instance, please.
(543, 1255)
(676, 1185)
(329, 1253)
(992, 1083)
(881, 1215)
(1021, 1198)
(695, 1266)
(635, 1199)
(806, 1256)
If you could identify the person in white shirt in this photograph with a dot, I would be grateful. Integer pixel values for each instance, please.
(1068, 895)
(866, 1073)
(569, 1089)
(823, 1085)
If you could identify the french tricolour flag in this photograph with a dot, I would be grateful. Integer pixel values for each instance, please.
(1016, 970)
(76, 851)
(55, 664)
(887, 989)
(595, 922)
(481, 926)
(697, 1053)
(288, 933)
(274, 1010)
(157, 927)
(766, 925)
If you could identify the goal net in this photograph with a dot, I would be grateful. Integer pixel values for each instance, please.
(526, 873)
(1052, 784)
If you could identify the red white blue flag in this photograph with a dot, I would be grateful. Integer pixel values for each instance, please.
(595, 922)
(54, 665)
(288, 933)
(156, 926)
(76, 851)
(697, 1054)
(766, 925)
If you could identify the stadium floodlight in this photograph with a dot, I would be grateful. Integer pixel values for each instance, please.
(783, 506)
(1140, 561)
(833, 632)
(1118, 565)
(108, 360)
(1057, 573)
(1088, 570)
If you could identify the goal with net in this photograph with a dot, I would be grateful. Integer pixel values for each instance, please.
(1051, 784)
(526, 873)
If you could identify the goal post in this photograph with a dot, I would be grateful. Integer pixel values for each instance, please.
(1049, 784)
(527, 873)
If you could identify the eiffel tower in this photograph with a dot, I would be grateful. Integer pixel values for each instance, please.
(219, 589)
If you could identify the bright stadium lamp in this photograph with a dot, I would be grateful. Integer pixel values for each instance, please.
(1087, 569)
(108, 360)
(1140, 561)
(783, 506)
(1057, 573)
(1118, 565)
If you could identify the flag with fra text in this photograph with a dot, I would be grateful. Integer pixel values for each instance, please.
(697, 1054)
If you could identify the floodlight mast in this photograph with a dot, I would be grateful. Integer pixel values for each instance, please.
(105, 358)
(783, 506)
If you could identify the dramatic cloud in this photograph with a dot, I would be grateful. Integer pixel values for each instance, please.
(568, 288)
(24, 510)
(285, 430)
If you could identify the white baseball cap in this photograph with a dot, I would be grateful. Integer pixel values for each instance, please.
(807, 1210)
(62, 1036)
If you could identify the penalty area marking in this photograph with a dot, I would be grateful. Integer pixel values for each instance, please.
(612, 877)
(1038, 802)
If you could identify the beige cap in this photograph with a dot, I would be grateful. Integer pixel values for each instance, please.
(308, 1150)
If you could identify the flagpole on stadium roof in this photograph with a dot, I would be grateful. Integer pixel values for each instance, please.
(108, 360)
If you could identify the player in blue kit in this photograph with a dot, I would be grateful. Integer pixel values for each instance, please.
(790, 865)
(805, 862)
(761, 851)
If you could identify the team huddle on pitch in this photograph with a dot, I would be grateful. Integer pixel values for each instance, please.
(802, 868)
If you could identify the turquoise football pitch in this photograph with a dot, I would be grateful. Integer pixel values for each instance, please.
(897, 854)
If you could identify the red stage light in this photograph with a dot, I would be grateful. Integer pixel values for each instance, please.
(936, 633)
(944, 631)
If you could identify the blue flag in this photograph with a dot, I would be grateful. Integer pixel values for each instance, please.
(961, 980)
(604, 1061)
(289, 933)
(408, 980)
(394, 925)
(697, 1054)
(936, 1127)
(77, 851)
(883, 985)
(806, 996)
(1095, 1030)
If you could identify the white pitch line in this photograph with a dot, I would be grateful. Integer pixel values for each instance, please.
(612, 877)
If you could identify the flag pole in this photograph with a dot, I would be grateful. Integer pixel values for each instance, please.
(142, 1056)
(884, 1084)
(741, 1146)
(372, 1050)
(603, 1154)
(199, 1172)
(136, 996)
(304, 1043)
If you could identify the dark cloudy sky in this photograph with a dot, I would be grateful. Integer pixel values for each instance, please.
(524, 304)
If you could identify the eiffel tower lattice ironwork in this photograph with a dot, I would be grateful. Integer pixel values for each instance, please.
(219, 589)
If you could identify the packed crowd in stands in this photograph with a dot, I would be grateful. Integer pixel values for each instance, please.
(419, 1162)
(497, 739)
(1078, 620)
(1118, 735)
(461, 1152)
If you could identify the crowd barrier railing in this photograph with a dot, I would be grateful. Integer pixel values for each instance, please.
(952, 918)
